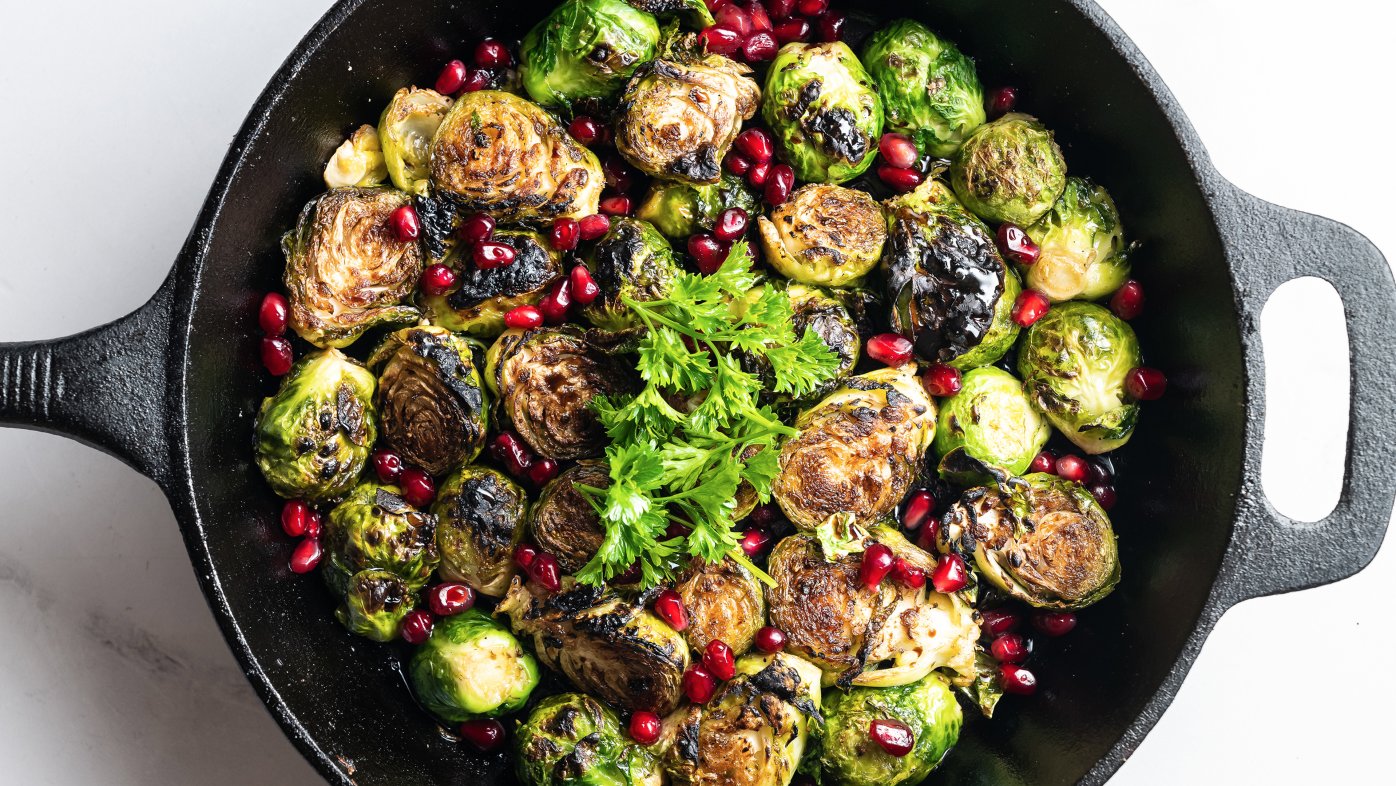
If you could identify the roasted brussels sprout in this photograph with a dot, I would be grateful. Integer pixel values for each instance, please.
(858, 451)
(949, 288)
(563, 522)
(358, 163)
(586, 49)
(679, 210)
(1083, 254)
(826, 235)
(725, 602)
(480, 518)
(694, 13)
(346, 270)
(572, 739)
(471, 667)
(632, 260)
(1073, 362)
(929, 90)
(851, 757)
(482, 296)
(375, 603)
(1039, 538)
(504, 155)
(314, 435)
(678, 119)
(1009, 170)
(546, 379)
(826, 116)
(992, 419)
(406, 129)
(374, 527)
(608, 646)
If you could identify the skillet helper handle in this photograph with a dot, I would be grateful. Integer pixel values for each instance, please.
(106, 387)
(1274, 553)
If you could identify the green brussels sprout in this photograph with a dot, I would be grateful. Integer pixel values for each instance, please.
(724, 601)
(851, 757)
(586, 49)
(677, 120)
(374, 527)
(563, 522)
(471, 667)
(358, 163)
(480, 298)
(950, 291)
(375, 603)
(992, 419)
(632, 260)
(314, 435)
(406, 129)
(826, 116)
(572, 739)
(346, 270)
(929, 88)
(1009, 170)
(1040, 539)
(1073, 362)
(480, 518)
(679, 210)
(1083, 254)
(694, 13)
(825, 235)
(609, 646)
(504, 155)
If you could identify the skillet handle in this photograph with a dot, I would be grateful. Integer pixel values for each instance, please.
(1272, 553)
(106, 387)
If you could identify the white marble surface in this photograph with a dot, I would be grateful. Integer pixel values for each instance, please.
(114, 120)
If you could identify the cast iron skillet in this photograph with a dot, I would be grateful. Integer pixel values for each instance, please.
(172, 389)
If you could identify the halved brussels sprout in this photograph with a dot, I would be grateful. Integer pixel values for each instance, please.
(725, 602)
(826, 116)
(826, 235)
(929, 88)
(346, 269)
(504, 155)
(678, 119)
(679, 210)
(992, 419)
(482, 296)
(374, 527)
(851, 757)
(314, 435)
(563, 522)
(572, 739)
(375, 603)
(1083, 254)
(358, 163)
(632, 260)
(479, 520)
(1074, 361)
(471, 667)
(1009, 170)
(1039, 538)
(406, 129)
(608, 646)
(586, 49)
(858, 451)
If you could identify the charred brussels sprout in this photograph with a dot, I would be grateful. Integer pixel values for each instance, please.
(1083, 254)
(1074, 361)
(479, 520)
(572, 739)
(929, 89)
(375, 603)
(682, 209)
(358, 163)
(851, 757)
(406, 129)
(678, 119)
(431, 400)
(314, 435)
(563, 522)
(504, 155)
(824, 111)
(725, 602)
(634, 261)
(827, 235)
(472, 667)
(482, 296)
(346, 270)
(992, 419)
(586, 49)
(375, 528)
(1009, 170)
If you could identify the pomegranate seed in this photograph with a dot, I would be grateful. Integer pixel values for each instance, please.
(770, 640)
(898, 150)
(753, 542)
(917, 509)
(452, 77)
(997, 622)
(1098, 474)
(313, 525)
(760, 20)
(1072, 467)
(632, 575)
(1105, 495)
(277, 357)
(950, 574)
(479, 79)
(594, 226)
(1146, 384)
(812, 7)
(731, 224)
(763, 516)
(274, 314)
(557, 303)
(1010, 648)
(451, 598)
(542, 471)
(736, 163)
(306, 555)
(1002, 101)
(899, 180)
(779, 184)
(476, 229)
(490, 255)
(792, 30)
(780, 9)
(1030, 306)
(524, 555)
(698, 685)
(416, 626)
(760, 48)
(730, 17)
(388, 466)
(890, 349)
(584, 287)
(894, 736)
(510, 451)
(564, 235)
(928, 536)
(293, 516)
(907, 574)
(406, 226)
(669, 606)
(877, 563)
(544, 570)
(417, 488)
(486, 734)
(941, 380)
(618, 205)
(1046, 461)
(759, 174)
(1016, 245)
(523, 318)
(1128, 300)
(584, 129)
(719, 661)
(707, 252)
(1054, 623)
(676, 530)
(490, 53)
(720, 41)
(437, 279)
(1017, 680)
(645, 727)
(830, 26)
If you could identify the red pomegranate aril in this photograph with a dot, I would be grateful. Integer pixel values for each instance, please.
(1046, 461)
(760, 20)
(584, 287)
(479, 79)
(929, 534)
(996, 622)
(510, 451)
(545, 570)
(699, 685)
(731, 17)
(1054, 623)
(406, 226)
(1128, 300)
(437, 279)
(760, 47)
(476, 229)
(917, 509)
(770, 640)
(277, 357)
(564, 235)
(313, 525)
(759, 174)
(524, 555)
(950, 574)
(523, 318)
(1097, 474)
(756, 144)
(1105, 495)
(542, 471)
(1016, 245)
(617, 205)
(490, 255)
(736, 163)
(1073, 468)
(645, 727)
(387, 465)
(898, 179)
(753, 542)
(486, 734)
(812, 7)
(1002, 101)
(890, 349)
(779, 184)
(417, 488)
(669, 606)
(584, 129)
(791, 30)
(450, 598)
(898, 150)
(877, 563)
(721, 41)
(1146, 384)
(306, 556)
(594, 226)
(557, 303)
(830, 26)
(780, 9)
(1030, 306)
(1017, 680)
(619, 175)
(293, 516)
(274, 314)
(941, 380)
(707, 252)
(632, 575)
(490, 53)
(894, 736)
(1010, 648)
(907, 574)
(451, 78)
(719, 660)
(731, 224)
(764, 516)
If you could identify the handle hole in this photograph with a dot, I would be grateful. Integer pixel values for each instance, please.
(1307, 387)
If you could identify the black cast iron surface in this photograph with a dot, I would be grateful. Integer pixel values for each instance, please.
(172, 390)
